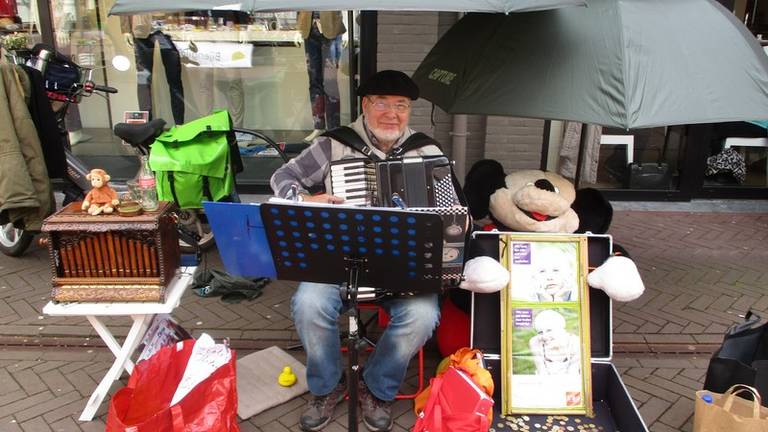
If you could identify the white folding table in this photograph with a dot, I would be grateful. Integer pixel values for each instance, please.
(141, 313)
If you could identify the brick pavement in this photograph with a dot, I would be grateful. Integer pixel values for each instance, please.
(702, 270)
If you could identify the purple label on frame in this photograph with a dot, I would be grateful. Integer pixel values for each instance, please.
(523, 318)
(521, 253)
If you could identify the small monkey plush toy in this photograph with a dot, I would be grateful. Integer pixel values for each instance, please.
(101, 198)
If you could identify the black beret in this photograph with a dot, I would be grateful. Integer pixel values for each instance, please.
(389, 82)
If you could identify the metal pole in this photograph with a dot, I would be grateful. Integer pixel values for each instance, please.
(459, 139)
(545, 145)
(353, 368)
(580, 158)
(459, 145)
(351, 48)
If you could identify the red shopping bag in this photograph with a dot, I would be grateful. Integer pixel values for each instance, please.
(455, 404)
(144, 404)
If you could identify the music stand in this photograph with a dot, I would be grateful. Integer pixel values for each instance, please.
(393, 250)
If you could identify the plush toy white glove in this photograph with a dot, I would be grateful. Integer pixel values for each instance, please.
(619, 278)
(484, 275)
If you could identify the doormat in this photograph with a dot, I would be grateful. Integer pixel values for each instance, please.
(257, 387)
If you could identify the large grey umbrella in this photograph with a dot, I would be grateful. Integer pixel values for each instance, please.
(621, 63)
(125, 7)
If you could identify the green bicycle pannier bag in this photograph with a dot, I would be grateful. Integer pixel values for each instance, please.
(192, 161)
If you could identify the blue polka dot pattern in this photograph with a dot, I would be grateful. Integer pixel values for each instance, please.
(404, 252)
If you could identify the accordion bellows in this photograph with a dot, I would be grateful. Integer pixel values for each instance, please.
(112, 258)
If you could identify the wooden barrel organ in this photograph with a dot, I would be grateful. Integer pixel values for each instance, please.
(110, 257)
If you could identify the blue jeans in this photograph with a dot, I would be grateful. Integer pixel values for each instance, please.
(316, 308)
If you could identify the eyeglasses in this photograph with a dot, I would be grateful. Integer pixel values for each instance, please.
(381, 106)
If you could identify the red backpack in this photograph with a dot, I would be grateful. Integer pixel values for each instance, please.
(455, 404)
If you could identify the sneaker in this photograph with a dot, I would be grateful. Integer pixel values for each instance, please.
(377, 414)
(320, 408)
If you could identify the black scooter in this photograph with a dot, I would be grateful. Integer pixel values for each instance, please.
(194, 233)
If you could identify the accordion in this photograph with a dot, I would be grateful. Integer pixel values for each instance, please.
(418, 181)
(424, 184)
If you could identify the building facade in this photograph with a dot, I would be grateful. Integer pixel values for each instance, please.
(276, 75)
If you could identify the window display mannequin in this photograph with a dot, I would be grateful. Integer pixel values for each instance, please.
(65, 18)
(141, 32)
(322, 32)
(226, 83)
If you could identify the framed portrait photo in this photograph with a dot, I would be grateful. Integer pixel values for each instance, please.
(545, 357)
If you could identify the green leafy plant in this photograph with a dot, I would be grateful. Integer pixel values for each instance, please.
(14, 41)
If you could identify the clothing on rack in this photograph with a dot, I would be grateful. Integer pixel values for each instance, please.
(145, 52)
(569, 151)
(145, 31)
(322, 45)
(44, 118)
(26, 197)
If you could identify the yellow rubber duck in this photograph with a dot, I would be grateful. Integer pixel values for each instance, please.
(286, 378)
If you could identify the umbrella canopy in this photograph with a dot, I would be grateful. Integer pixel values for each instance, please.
(127, 7)
(620, 63)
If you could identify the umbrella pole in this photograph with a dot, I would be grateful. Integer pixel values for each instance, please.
(580, 157)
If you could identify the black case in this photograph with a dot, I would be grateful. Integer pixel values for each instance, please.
(614, 408)
(649, 175)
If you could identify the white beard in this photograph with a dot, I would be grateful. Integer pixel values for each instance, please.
(383, 135)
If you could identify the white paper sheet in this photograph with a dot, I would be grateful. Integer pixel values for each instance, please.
(207, 356)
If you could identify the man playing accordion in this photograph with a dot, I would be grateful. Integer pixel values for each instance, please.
(383, 128)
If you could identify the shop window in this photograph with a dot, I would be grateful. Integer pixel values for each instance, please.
(639, 159)
(737, 155)
(645, 159)
(19, 27)
(185, 65)
(754, 15)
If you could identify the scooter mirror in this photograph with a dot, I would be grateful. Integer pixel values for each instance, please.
(121, 63)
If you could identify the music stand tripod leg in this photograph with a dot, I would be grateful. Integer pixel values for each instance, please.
(349, 294)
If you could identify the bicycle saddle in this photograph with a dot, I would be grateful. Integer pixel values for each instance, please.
(140, 134)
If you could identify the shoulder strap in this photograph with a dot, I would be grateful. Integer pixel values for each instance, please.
(347, 136)
(413, 142)
(350, 138)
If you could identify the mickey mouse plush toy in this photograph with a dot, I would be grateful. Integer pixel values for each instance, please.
(531, 201)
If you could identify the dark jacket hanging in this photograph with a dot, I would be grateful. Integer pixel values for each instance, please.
(47, 129)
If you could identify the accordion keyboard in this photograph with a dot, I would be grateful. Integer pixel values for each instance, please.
(355, 181)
